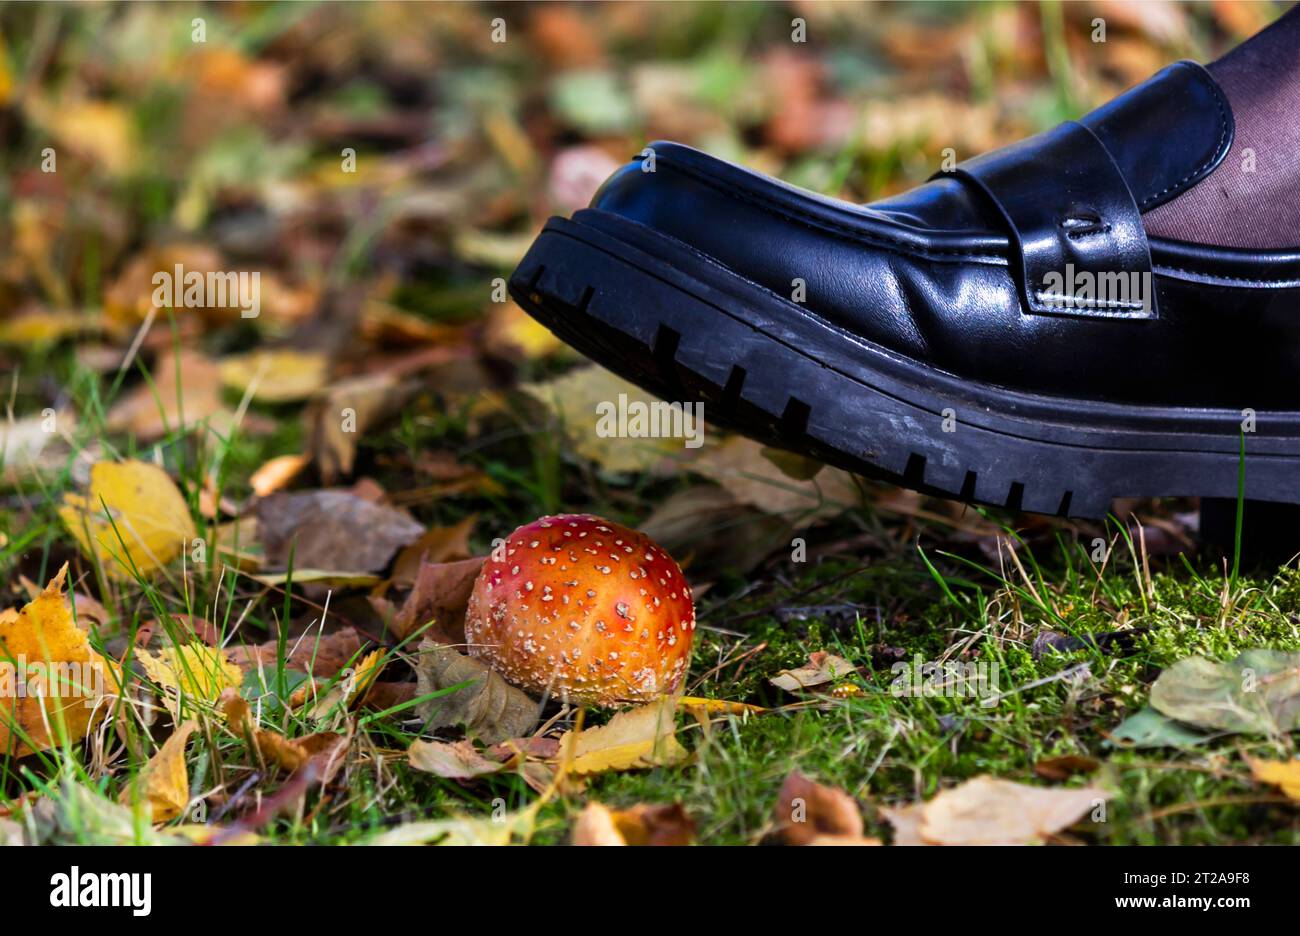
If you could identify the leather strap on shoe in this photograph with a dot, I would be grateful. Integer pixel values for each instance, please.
(1081, 246)
(1073, 197)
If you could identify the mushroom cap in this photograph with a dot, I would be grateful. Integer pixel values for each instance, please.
(584, 608)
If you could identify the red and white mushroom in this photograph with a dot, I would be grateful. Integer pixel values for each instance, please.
(585, 609)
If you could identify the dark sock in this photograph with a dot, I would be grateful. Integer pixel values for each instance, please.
(1252, 199)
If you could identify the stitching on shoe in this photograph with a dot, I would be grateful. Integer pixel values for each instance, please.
(1245, 280)
(797, 215)
(1045, 296)
(1220, 148)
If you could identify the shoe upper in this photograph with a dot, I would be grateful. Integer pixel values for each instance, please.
(1027, 267)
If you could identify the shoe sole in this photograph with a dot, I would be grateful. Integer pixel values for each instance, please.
(682, 326)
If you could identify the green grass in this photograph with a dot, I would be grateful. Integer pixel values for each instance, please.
(900, 598)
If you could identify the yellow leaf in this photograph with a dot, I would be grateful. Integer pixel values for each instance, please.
(587, 401)
(101, 130)
(63, 681)
(632, 739)
(43, 327)
(164, 781)
(194, 670)
(150, 524)
(1285, 775)
(280, 376)
(720, 706)
(512, 332)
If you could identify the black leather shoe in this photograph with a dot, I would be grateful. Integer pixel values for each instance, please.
(1006, 333)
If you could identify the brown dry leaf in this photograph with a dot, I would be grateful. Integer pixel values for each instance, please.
(742, 467)
(335, 531)
(150, 522)
(167, 403)
(989, 811)
(325, 748)
(164, 782)
(276, 375)
(1285, 775)
(277, 474)
(441, 594)
(129, 299)
(339, 418)
(646, 824)
(73, 681)
(1066, 766)
(438, 544)
(384, 695)
(456, 761)
(322, 656)
(806, 811)
(635, 738)
(822, 667)
(596, 827)
(488, 707)
(712, 534)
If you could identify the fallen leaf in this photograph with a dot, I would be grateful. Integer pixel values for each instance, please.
(332, 531)
(741, 466)
(719, 706)
(78, 815)
(275, 376)
(1066, 766)
(633, 739)
(43, 327)
(821, 668)
(1285, 775)
(384, 695)
(1258, 692)
(462, 830)
(806, 810)
(1148, 728)
(63, 680)
(150, 522)
(713, 534)
(349, 686)
(183, 391)
(512, 333)
(193, 670)
(34, 446)
(101, 130)
(488, 707)
(596, 827)
(573, 400)
(326, 748)
(322, 655)
(164, 782)
(339, 418)
(458, 760)
(277, 474)
(646, 824)
(438, 544)
(441, 595)
(989, 811)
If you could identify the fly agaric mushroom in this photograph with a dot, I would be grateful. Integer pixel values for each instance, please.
(584, 608)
